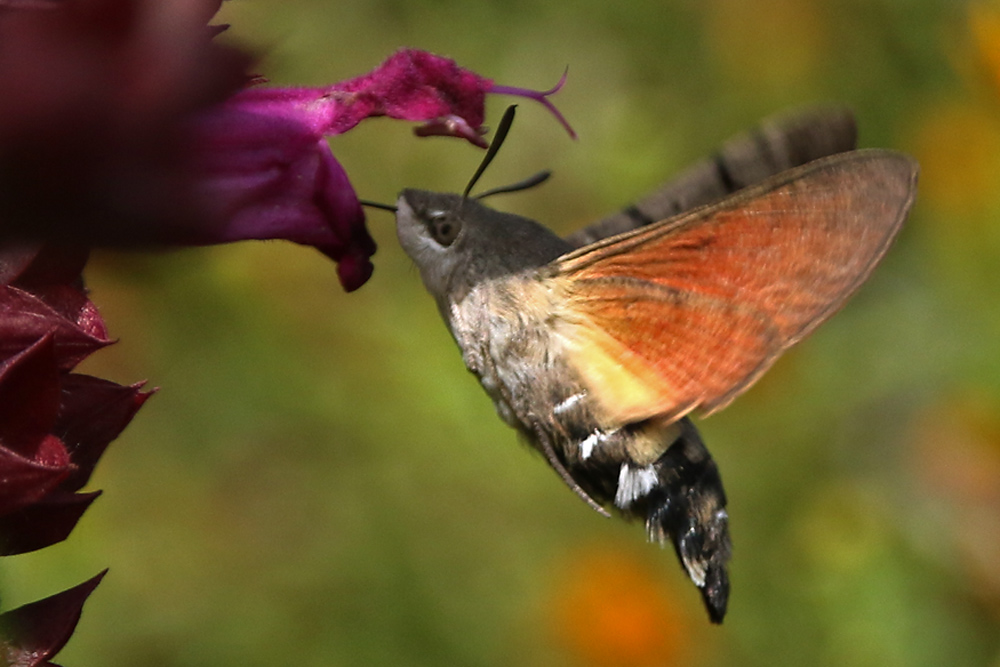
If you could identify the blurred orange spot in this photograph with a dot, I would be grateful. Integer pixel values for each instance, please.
(610, 610)
(958, 147)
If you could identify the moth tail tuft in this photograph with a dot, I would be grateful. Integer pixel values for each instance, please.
(688, 508)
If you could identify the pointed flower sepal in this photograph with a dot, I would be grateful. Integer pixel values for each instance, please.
(54, 424)
(33, 634)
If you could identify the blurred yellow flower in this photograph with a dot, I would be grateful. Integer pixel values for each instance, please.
(984, 26)
(958, 146)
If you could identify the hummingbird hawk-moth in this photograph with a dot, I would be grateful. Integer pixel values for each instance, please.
(598, 354)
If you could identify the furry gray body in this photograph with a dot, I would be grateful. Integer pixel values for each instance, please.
(485, 270)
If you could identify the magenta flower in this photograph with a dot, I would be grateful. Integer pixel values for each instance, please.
(126, 124)
(130, 128)
(265, 170)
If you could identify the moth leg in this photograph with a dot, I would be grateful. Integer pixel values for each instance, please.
(688, 507)
(550, 455)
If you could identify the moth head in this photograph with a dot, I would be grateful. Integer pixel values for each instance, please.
(457, 243)
(432, 230)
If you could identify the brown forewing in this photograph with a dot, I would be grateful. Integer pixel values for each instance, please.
(689, 312)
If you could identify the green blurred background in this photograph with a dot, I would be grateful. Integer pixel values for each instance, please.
(320, 482)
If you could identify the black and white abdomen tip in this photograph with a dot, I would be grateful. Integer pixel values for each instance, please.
(684, 502)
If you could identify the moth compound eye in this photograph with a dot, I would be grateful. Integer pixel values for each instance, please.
(444, 228)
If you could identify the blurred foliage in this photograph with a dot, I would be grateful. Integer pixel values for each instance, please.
(320, 482)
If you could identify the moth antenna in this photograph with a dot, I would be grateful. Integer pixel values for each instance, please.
(378, 205)
(501, 134)
(526, 184)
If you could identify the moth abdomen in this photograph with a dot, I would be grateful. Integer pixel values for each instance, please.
(687, 506)
(663, 474)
